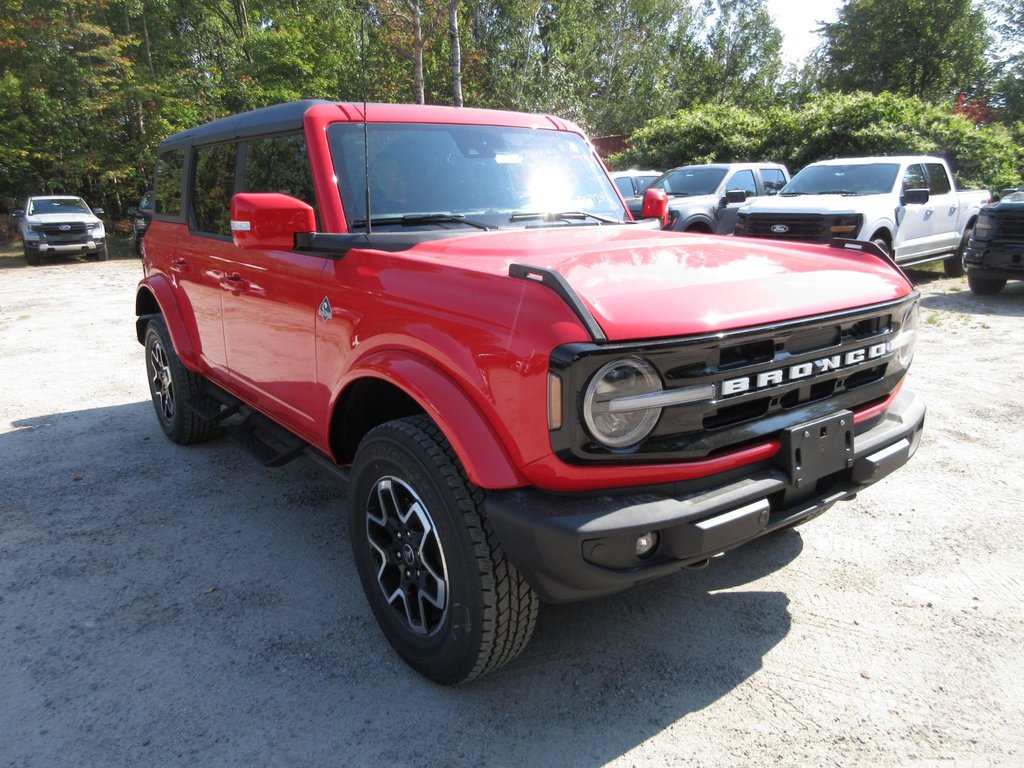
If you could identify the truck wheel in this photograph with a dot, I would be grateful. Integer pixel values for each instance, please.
(104, 254)
(954, 265)
(983, 285)
(31, 257)
(883, 245)
(436, 577)
(172, 385)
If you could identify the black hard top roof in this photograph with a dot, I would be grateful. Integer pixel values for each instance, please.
(279, 118)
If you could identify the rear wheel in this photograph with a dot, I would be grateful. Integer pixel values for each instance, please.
(984, 285)
(172, 385)
(436, 577)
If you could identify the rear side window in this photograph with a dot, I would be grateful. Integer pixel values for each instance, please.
(167, 189)
(279, 164)
(938, 179)
(213, 185)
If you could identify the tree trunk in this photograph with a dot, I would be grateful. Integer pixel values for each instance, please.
(453, 36)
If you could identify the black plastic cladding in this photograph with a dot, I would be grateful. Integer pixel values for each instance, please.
(688, 432)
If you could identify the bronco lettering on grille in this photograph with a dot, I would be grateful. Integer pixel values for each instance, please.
(806, 370)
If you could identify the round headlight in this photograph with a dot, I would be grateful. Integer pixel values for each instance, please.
(613, 406)
(907, 337)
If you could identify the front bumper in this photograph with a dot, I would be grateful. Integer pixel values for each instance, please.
(85, 246)
(577, 547)
(996, 259)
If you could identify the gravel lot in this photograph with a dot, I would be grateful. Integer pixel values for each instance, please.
(166, 606)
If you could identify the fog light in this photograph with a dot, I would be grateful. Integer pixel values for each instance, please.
(645, 543)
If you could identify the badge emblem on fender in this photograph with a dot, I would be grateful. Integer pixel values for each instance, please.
(325, 311)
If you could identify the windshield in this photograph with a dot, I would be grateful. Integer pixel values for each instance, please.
(456, 175)
(691, 181)
(57, 205)
(854, 179)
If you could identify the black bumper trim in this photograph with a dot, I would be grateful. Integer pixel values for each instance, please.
(582, 546)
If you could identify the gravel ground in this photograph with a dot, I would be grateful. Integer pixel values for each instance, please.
(166, 606)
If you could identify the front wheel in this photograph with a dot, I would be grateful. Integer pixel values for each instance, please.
(984, 285)
(172, 385)
(953, 266)
(31, 256)
(436, 577)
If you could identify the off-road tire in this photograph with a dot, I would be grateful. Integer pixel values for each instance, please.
(172, 386)
(984, 285)
(445, 545)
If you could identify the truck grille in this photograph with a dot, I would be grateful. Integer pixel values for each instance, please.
(807, 227)
(1010, 226)
(56, 233)
(765, 380)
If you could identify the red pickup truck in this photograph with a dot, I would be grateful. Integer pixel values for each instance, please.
(532, 396)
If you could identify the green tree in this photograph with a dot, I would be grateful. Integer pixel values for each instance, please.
(930, 49)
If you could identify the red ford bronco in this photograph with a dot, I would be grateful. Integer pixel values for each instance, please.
(532, 396)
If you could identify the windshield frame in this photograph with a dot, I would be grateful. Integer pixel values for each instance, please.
(700, 174)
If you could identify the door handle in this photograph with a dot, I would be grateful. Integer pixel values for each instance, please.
(234, 283)
(179, 264)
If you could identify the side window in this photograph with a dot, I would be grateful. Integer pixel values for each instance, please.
(743, 180)
(279, 164)
(214, 183)
(774, 180)
(938, 179)
(625, 185)
(167, 185)
(914, 178)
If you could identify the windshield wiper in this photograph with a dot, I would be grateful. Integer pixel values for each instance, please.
(844, 192)
(791, 194)
(417, 219)
(561, 216)
(678, 194)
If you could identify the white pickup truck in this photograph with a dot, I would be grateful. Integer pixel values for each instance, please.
(908, 206)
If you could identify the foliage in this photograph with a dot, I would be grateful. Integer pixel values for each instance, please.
(89, 88)
(931, 49)
(832, 125)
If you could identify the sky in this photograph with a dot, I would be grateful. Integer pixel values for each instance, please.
(798, 20)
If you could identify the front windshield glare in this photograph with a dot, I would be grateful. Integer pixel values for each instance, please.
(854, 179)
(484, 174)
(691, 181)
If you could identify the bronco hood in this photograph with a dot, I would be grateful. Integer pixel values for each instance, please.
(642, 284)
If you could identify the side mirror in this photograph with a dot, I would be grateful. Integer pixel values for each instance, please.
(269, 220)
(98, 211)
(735, 196)
(18, 213)
(655, 205)
(132, 211)
(914, 197)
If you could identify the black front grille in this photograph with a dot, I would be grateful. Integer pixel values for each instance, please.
(764, 380)
(1010, 226)
(54, 231)
(807, 227)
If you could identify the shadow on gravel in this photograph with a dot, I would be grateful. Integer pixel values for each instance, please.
(1008, 303)
(162, 605)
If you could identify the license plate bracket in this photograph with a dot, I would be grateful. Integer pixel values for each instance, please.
(818, 448)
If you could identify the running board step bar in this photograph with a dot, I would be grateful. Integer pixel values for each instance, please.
(269, 443)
